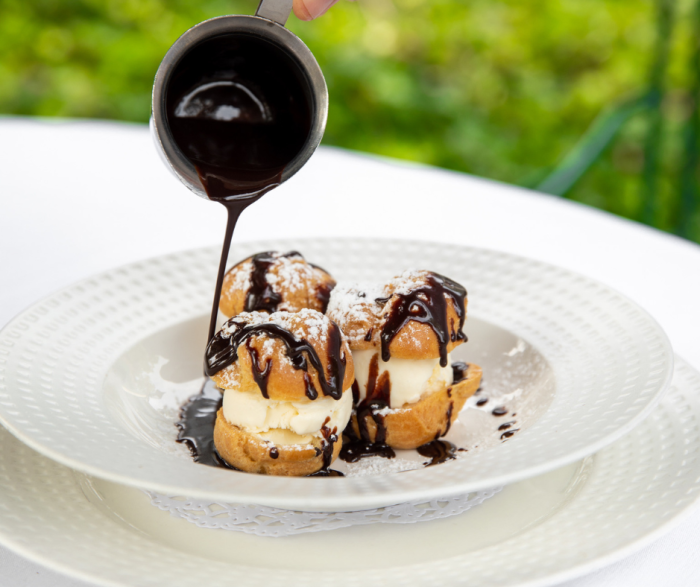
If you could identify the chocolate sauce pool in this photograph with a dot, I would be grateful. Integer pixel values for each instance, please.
(438, 451)
(196, 426)
(239, 111)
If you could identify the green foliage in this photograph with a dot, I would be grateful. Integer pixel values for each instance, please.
(498, 88)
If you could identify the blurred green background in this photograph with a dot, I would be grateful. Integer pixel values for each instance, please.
(593, 101)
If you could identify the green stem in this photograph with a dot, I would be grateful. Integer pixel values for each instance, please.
(588, 149)
(690, 195)
(652, 146)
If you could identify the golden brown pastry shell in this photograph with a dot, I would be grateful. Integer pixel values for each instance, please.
(415, 340)
(284, 382)
(427, 419)
(248, 452)
(233, 298)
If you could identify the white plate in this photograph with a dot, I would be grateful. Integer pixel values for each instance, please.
(91, 376)
(537, 532)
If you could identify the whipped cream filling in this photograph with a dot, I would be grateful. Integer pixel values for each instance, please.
(410, 379)
(285, 422)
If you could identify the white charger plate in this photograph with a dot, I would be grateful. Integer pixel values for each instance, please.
(92, 376)
(537, 532)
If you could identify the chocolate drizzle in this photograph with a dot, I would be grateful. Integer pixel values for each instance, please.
(234, 209)
(326, 473)
(500, 411)
(222, 351)
(369, 410)
(438, 451)
(448, 415)
(330, 437)
(427, 305)
(354, 450)
(378, 397)
(260, 295)
(459, 371)
(323, 295)
(355, 392)
(311, 392)
(260, 374)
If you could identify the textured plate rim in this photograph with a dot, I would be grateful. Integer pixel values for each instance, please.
(363, 501)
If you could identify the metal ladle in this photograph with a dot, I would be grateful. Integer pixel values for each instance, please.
(268, 25)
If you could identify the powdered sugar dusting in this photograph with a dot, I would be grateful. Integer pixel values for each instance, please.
(304, 324)
(408, 281)
(358, 307)
(243, 319)
(268, 348)
(379, 465)
(349, 298)
(289, 273)
(229, 378)
(385, 411)
(353, 305)
(242, 276)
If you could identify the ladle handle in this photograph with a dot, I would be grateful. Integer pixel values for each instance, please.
(275, 10)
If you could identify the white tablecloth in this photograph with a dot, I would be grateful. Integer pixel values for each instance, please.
(82, 197)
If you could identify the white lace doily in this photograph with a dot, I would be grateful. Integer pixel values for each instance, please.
(266, 521)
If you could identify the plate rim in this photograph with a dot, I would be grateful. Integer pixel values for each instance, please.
(362, 501)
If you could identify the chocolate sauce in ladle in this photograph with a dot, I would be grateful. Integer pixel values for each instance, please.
(238, 110)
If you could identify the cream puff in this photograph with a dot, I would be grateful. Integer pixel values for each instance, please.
(406, 391)
(286, 379)
(272, 282)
